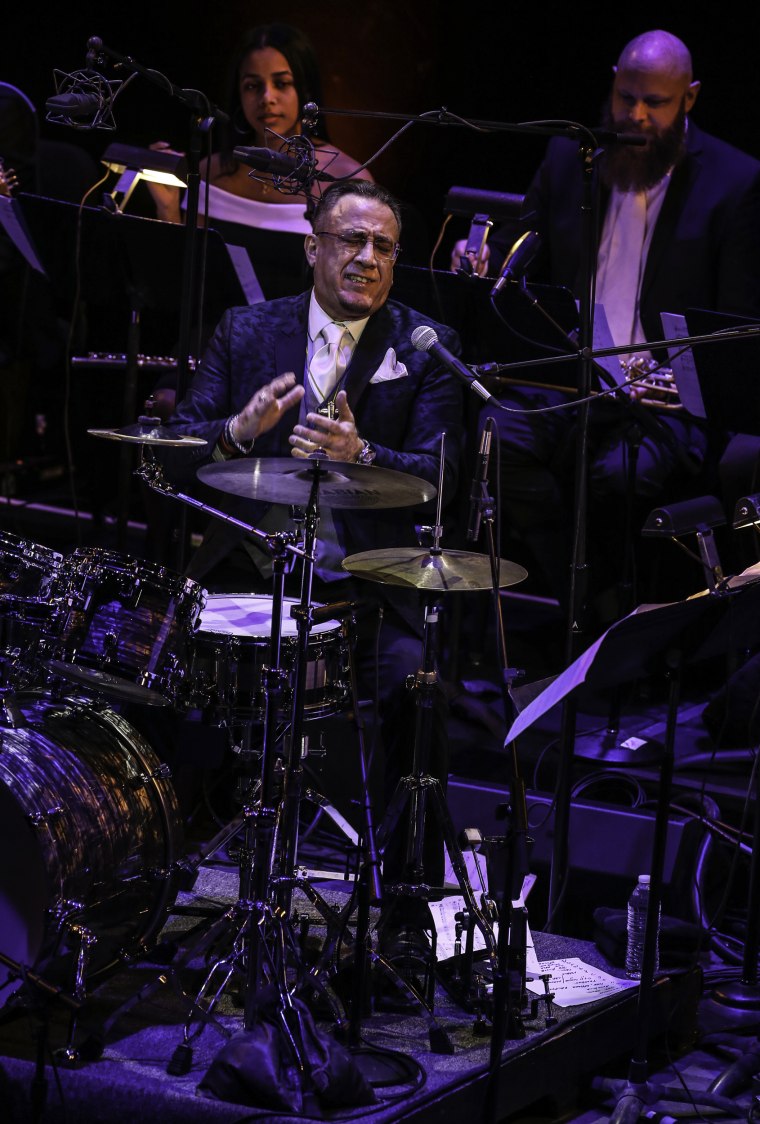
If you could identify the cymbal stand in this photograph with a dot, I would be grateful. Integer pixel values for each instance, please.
(293, 781)
(369, 883)
(418, 787)
(256, 915)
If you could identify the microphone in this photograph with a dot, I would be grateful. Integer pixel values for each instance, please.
(293, 168)
(82, 100)
(74, 104)
(479, 480)
(266, 160)
(425, 338)
(310, 117)
(518, 260)
(336, 611)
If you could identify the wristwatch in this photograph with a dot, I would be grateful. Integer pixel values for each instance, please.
(366, 454)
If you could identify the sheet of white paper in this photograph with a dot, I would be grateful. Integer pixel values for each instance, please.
(574, 982)
(682, 365)
(564, 683)
(603, 339)
(444, 914)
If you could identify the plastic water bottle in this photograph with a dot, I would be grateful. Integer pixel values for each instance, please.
(638, 907)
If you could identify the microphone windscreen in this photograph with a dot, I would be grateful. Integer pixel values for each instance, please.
(423, 337)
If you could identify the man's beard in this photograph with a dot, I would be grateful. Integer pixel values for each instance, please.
(631, 168)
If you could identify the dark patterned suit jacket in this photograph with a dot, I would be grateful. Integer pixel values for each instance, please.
(403, 417)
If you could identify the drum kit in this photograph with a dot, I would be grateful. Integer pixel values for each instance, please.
(87, 806)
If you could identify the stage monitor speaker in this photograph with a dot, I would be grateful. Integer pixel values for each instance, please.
(609, 845)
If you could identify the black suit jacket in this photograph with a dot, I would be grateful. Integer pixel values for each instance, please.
(705, 250)
(403, 418)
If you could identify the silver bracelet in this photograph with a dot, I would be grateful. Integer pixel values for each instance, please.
(243, 447)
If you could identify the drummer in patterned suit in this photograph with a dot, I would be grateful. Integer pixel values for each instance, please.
(280, 379)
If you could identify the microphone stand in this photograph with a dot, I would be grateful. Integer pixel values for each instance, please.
(511, 946)
(204, 114)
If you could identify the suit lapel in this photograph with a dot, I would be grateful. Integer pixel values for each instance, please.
(369, 354)
(672, 205)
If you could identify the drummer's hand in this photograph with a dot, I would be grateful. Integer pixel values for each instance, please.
(479, 261)
(267, 406)
(335, 436)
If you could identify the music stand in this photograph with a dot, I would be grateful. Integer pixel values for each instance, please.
(127, 265)
(664, 637)
(727, 372)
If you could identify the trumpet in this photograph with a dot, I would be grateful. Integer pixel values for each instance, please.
(651, 384)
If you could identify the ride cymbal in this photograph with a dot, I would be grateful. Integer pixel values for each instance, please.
(342, 484)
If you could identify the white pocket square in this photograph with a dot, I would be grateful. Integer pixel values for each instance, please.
(389, 369)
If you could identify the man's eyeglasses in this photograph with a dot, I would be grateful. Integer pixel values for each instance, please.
(356, 240)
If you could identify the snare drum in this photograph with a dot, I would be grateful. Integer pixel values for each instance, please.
(125, 626)
(91, 835)
(231, 649)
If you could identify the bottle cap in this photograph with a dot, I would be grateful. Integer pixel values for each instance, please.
(645, 878)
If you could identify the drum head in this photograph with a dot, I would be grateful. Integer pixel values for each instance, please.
(250, 614)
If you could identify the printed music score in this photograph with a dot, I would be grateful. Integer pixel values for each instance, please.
(574, 982)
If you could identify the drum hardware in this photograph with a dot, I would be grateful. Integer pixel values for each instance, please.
(433, 572)
(163, 772)
(93, 883)
(263, 946)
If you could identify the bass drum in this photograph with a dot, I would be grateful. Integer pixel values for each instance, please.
(90, 832)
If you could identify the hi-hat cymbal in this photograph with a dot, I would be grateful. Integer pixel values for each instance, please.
(342, 484)
(450, 571)
(148, 431)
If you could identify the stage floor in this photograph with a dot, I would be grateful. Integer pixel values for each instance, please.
(138, 1014)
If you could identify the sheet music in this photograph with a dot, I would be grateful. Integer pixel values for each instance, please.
(12, 222)
(246, 274)
(603, 339)
(682, 365)
(574, 982)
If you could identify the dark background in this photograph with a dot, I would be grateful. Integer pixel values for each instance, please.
(488, 61)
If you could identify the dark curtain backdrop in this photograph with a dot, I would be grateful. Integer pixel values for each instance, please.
(490, 61)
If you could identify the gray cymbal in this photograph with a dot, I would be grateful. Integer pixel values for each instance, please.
(342, 484)
(451, 571)
(148, 431)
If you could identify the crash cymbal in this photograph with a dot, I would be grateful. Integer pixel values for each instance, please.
(450, 571)
(148, 431)
(342, 484)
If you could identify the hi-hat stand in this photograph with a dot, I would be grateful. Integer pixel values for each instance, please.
(432, 572)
